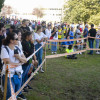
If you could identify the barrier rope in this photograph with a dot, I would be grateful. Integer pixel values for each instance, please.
(67, 40)
(72, 39)
(65, 54)
(67, 45)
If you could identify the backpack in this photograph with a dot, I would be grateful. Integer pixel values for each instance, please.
(15, 47)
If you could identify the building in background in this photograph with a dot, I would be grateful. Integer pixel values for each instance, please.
(52, 9)
(53, 14)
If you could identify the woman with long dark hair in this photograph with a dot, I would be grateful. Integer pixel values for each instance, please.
(54, 34)
(28, 49)
(11, 54)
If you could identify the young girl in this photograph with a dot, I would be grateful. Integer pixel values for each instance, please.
(54, 34)
(39, 37)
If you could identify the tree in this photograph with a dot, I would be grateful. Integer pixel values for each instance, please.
(38, 12)
(1, 4)
(81, 10)
(6, 10)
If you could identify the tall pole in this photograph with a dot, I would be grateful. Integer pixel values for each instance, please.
(6, 80)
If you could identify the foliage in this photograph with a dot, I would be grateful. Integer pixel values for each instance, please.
(6, 10)
(82, 10)
(1, 4)
(38, 12)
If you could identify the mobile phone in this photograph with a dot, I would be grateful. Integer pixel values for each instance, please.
(15, 51)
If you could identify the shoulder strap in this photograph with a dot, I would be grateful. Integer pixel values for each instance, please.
(7, 49)
(17, 48)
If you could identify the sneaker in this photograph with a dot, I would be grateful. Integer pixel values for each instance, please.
(90, 54)
(22, 97)
(52, 52)
(42, 71)
(97, 52)
(36, 73)
(25, 90)
(28, 87)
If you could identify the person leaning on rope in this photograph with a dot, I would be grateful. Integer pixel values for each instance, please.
(28, 49)
(13, 55)
(39, 37)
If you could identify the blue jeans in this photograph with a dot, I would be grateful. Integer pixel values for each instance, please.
(25, 73)
(54, 46)
(97, 43)
(15, 87)
(39, 54)
(91, 42)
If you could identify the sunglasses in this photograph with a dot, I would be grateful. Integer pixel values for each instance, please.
(16, 39)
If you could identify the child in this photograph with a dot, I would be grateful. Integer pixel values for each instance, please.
(70, 50)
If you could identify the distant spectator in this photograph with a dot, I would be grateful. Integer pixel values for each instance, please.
(71, 34)
(92, 33)
(98, 40)
(10, 30)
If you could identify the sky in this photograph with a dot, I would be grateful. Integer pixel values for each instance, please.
(28, 5)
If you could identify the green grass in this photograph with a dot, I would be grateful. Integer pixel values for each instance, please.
(68, 80)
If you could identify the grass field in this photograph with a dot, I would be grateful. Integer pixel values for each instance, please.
(68, 80)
